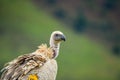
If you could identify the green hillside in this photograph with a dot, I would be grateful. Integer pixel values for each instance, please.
(23, 27)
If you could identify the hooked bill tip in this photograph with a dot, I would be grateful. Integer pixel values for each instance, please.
(63, 38)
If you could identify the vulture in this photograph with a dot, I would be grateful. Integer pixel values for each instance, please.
(38, 65)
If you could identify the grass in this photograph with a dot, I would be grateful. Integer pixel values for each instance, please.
(23, 27)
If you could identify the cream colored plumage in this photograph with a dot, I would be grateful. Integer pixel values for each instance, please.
(39, 65)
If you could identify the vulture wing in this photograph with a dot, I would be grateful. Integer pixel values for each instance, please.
(16, 69)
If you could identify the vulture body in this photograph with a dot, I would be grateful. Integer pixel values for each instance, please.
(39, 65)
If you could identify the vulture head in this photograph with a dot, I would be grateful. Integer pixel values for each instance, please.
(56, 38)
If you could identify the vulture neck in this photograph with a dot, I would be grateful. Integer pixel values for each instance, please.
(55, 46)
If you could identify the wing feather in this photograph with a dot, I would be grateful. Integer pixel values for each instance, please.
(22, 65)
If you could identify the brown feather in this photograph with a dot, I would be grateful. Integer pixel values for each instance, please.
(22, 65)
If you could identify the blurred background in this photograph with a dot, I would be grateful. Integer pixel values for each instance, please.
(92, 28)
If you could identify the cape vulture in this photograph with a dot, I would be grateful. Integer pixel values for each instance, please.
(39, 65)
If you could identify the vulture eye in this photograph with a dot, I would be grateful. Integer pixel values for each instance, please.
(56, 35)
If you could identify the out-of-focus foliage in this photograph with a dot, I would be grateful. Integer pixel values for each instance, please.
(24, 26)
(96, 18)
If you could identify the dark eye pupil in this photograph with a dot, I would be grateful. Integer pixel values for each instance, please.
(56, 35)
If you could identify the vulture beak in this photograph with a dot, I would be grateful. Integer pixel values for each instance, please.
(63, 38)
